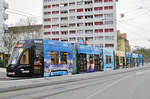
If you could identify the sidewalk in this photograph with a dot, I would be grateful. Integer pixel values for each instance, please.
(11, 85)
(2, 69)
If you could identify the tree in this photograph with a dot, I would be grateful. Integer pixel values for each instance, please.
(26, 22)
(29, 29)
(8, 41)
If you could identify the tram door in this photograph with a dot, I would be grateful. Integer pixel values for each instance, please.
(117, 62)
(90, 66)
(97, 63)
(82, 63)
(37, 61)
(123, 60)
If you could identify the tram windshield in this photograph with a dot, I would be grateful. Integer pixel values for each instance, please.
(15, 55)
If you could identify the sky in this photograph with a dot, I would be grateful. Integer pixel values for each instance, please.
(135, 23)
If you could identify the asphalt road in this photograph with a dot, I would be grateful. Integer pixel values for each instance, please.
(2, 74)
(130, 85)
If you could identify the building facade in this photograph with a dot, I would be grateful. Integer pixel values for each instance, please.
(123, 43)
(3, 18)
(26, 32)
(72, 20)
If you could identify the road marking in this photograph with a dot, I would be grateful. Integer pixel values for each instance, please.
(142, 72)
(106, 87)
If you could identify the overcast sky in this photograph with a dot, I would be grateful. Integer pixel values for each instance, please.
(136, 22)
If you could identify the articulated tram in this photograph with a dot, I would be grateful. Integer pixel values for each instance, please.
(45, 58)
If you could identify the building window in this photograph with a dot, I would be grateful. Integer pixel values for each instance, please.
(55, 32)
(64, 25)
(89, 17)
(64, 40)
(88, 9)
(64, 18)
(88, 2)
(64, 5)
(109, 30)
(80, 31)
(99, 45)
(89, 24)
(109, 37)
(99, 38)
(55, 5)
(108, 7)
(98, 8)
(47, 26)
(98, 30)
(109, 45)
(47, 13)
(57, 39)
(72, 39)
(47, 33)
(88, 31)
(80, 10)
(64, 32)
(108, 0)
(47, 6)
(108, 22)
(72, 32)
(108, 15)
(79, 2)
(79, 24)
(72, 4)
(72, 11)
(80, 38)
(72, 17)
(97, 1)
(72, 24)
(98, 15)
(55, 26)
(98, 23)
(79, 17)
(47, 19)
(89, 38)
(64, 12)
(55, 19)
(55, 12)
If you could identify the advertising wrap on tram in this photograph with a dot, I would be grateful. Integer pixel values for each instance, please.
(108, 59)
(58, 59)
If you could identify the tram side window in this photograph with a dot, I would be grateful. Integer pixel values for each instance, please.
(110, 59)
(107, 59)
(38, 57)
(121, 60)
(63, 58)
(54, 58)
(25, 57)
(91, 59)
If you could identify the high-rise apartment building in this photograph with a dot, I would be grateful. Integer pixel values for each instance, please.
(72, 20)
(3, 18)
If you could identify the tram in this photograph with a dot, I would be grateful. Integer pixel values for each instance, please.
(45, 58)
